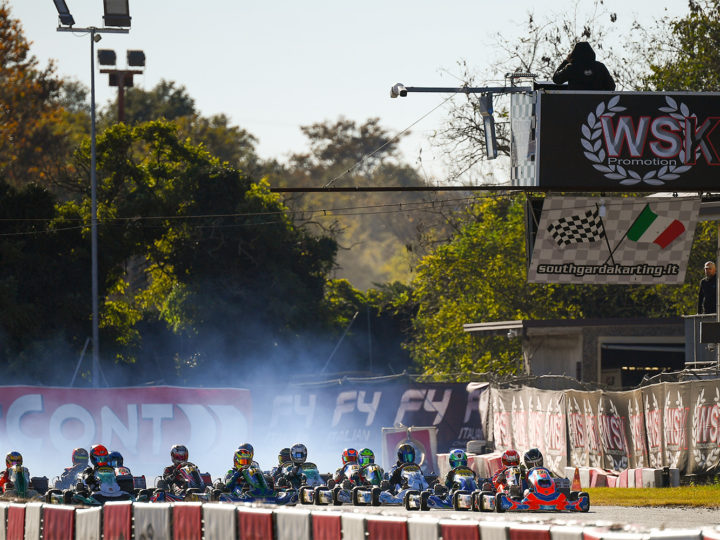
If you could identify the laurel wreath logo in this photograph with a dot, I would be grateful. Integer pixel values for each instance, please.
(591, 141)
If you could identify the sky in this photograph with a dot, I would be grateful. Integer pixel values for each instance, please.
(272, 67)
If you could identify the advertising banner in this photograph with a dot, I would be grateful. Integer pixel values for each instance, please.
(614, 240)
(628, 141)
(328, 419)
(667, 424)
(45, 424)
(527, 418)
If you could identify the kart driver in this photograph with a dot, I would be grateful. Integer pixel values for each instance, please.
(294, 473)
(510, 458)
(283, 461)
(349, 455)
(406, 456)
(179, 455)
(532, 458)
(98, 458)
(242, 459)
(12, 459)
(80, 459)
(457, 459)
(366, 457)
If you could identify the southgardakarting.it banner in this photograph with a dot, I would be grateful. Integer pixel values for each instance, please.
(614, 240)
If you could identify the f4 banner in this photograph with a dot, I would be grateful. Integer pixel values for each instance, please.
(619, 241)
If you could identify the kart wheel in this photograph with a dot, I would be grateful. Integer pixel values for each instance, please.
(375, 496)
(355, 493)
(481, 501)
(67, 496)
(474, 502)
(49, 495)
(335, 494)
(408, 503)
(498, 503)
(316, 496)
(515, 492)
(424, 497)
(456, 500)
(331, 483)
(573, 496)
(582, 495)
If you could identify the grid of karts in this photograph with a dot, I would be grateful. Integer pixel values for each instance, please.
(513, 491)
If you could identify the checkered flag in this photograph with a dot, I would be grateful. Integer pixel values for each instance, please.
(577, 229)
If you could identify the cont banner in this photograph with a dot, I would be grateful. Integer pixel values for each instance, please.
(628, 141)
(625, 241)
(45, 424)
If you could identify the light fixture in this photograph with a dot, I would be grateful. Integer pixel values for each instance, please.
(106, 57)
(136, 58)
(117, 13)
(486, 111)
(64, 13)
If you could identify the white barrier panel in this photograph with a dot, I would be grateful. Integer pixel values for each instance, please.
(711, 533)
(493, 530)
(353, 527)
(603, 533)
(88, 523)
(220, 521)
(152, 520)
(423, 528)
(631, 477)
(566, 532)
(33, 520)
(292, 524)
(675, 534)
(3, 519)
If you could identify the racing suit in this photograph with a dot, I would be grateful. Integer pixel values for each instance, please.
(171, 477)
(450, 477)
(69, 477)
(234, 479)
(5, 482)
(294, 475)
(396, 473)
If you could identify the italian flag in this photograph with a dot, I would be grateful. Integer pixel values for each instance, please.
(649, 227)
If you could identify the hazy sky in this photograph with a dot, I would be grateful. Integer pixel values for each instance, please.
(274, 66)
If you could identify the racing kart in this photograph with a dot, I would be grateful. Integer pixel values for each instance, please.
(369, 489)
(193, 486)
(461, 496)
(22, 484)
(256, 489)
(337, 494)
(107, 489)
(311, 481)
(542, 495)
(409, 491)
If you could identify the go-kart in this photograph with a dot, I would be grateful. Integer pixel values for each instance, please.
(255, 489)
(189, 477)
(106, 489)
(542, 495)
(68, 478)
(337, 494)
(22, 486)
(409, 491)
(368, 491)
(461, 496)
(311, 481)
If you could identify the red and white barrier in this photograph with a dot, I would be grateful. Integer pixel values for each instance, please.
(566, 532)
(88, 522)
(327, 525)
(3, 519)
(494, 530)
(220, 521)
(256, 523)
(117, 520)
(16, 522)
(58, 522)
(423, 528)
(353, 526)
(187, 521)
(292, 523)
(459, 530)
(385, 528)
(152, 520)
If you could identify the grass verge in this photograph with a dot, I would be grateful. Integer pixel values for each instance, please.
(707, 496)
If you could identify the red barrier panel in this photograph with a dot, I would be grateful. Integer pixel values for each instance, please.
(326, 526)
(16, 522)
(187, 521)
(117, 521)
(459, 531)
(386, 529)
(521, 531)
(255, 525)
(59, 522)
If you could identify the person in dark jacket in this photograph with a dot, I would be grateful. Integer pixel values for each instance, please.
(707, 296)
(582, 72)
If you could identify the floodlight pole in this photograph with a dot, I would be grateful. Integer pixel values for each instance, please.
(94, 34)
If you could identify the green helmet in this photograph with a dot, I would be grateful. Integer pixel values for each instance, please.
(366, 457)
(458, 458)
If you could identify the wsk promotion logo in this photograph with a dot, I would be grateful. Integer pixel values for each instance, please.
(613, 240)
(628, 141)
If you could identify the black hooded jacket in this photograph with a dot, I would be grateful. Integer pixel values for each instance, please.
(582, 72)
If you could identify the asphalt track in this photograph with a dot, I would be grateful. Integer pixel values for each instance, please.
(650, 517)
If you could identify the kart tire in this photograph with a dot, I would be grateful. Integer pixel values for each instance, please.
(316, 497)
(474, 501)
(355, 498)
(406, 500)
(481, 500)
(50, 493)
(583, 494)
(424, 497)
(384, 485)
(335, 493)
(375, 496)
(67, 496)
(515, 492)
(498, 506)
(573, 496)
(456, 500)
(331, 483)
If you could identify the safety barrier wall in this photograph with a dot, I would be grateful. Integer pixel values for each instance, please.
(189, 521)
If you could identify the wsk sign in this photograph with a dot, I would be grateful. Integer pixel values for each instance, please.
(628, 141)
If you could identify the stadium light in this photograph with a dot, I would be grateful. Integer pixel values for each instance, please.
(117, 13)
(64, 13)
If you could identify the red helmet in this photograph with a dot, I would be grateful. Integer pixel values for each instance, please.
(349, 455)
(178, 454)
(98, 455)
(510, 458)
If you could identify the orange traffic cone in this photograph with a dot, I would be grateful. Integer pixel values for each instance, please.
(576, 481)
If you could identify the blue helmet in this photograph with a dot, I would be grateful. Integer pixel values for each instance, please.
(406, 453)
(115, 459)
(457, 458)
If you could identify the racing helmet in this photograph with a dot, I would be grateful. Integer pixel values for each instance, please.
(242, 458)
(349, 455)
(457, 458)
(510, 458)
(366, 457)
(115, 459)
(533, 458)
(80, 456)
(249, 447)
(98, 455)
(406, 453)
(298, 453)
(284, 456)
(12, 459)
(178, 454)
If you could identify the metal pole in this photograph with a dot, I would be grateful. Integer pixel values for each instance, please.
(93, 221)
(717, 296)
